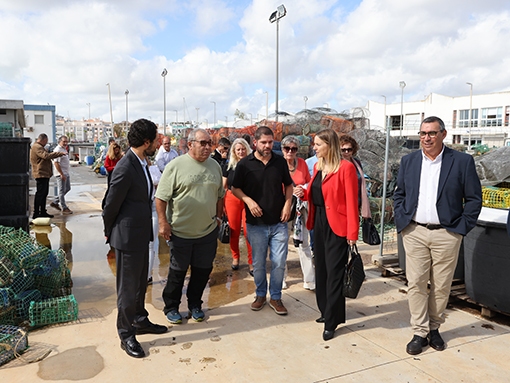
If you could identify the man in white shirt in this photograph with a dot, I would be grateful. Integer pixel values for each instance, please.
(62, 166)
(165, 154)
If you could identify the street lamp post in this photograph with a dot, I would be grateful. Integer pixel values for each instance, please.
(306, 99)
(385, 177)
(163, 74)
(275, 17)
(402, 86)
(470, 114)
(126, 93)
(111, 110)
(214, 121)
(267, 104)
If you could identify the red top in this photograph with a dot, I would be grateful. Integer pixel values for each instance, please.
(109, 165)
(301, 176)
(340, 192)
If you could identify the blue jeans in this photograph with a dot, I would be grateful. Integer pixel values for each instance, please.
(276, 238)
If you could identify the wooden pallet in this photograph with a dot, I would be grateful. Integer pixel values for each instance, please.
(458, 292)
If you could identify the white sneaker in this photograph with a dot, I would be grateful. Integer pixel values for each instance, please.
(309, 285)
(284, 285)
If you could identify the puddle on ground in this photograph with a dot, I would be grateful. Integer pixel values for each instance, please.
(74, 364)
(92, 262)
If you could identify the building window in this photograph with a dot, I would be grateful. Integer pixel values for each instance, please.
(39, 119)
(464, 118)
(492, 117)
(3, 111)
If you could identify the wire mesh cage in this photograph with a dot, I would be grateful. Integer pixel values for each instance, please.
(13, 342)
(54, 310)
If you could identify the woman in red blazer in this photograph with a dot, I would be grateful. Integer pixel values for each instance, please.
(332, 196)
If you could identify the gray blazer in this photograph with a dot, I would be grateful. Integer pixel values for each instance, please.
(127, 214)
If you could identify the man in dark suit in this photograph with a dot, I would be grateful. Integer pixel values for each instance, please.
(127, 217)
(437, 202)
(220, 154)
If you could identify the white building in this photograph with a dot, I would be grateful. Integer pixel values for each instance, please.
(40, 119)
(488, 124)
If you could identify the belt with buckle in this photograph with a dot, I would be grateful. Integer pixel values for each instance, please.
(430, 226)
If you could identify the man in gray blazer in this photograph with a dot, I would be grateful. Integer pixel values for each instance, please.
(127, 217)
(437, 202)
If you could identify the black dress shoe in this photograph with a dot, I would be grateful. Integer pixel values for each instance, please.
(132, 347)
(235, 267)
(320, 320)
(415, 346)
(149, 328)
(328, 334)
(46, 215)
(435, 340)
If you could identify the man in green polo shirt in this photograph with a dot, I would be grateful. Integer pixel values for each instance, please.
(189, 202)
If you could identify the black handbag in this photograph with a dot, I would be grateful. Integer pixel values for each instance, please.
(354, 274)
(224, 232)
(370, 234)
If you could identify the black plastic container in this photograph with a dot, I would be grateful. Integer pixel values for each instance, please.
(487, 265)
(14, 168)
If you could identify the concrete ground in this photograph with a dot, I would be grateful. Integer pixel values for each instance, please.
(235, 344)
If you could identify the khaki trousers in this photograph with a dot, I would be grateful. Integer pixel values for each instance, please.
(431, 255)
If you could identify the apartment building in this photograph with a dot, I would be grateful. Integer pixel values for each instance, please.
(488, 122)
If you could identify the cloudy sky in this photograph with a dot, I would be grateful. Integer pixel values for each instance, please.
(336, 53)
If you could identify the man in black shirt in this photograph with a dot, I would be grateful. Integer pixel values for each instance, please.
(262, 181)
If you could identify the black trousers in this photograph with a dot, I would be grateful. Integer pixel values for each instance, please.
(132, 269)
(41, 193)
(331, 256)
(197, 253)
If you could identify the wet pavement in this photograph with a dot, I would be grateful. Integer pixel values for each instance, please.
(235, 343)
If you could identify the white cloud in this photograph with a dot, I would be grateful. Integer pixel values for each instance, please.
(332, 52)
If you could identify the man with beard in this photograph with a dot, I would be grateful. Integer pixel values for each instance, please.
(262, 181)
(189, 202)
(127, 217)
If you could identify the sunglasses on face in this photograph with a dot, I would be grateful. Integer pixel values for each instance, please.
(290, 149)
(346, 150)
(203, 142)
(432, 133)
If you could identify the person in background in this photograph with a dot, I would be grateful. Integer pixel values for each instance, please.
(220, 154)
(42, 171)
(332, 196)
(127, 218)
(437, 201)
(262, 181)
(113, 156)
(189, 202)
(165, 154)
(62, 167)
(300, 177)
(349, 148)
(234, 207)
(111, 140)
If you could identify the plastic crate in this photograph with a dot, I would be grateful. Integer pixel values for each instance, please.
(55, 310)
(13, 341)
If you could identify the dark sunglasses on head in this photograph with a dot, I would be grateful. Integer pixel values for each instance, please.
(203, 142)
(289, 149)
(347, 150)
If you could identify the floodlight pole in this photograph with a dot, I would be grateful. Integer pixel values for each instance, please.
(275, 17)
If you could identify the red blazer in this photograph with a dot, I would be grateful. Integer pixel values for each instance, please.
(340, 191)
